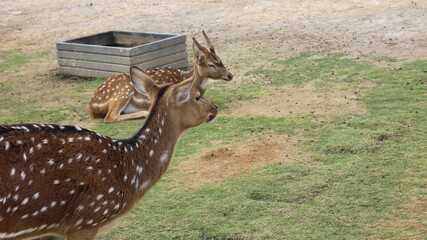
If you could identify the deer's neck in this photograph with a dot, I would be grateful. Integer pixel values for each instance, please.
(199, 82)
(149, 151)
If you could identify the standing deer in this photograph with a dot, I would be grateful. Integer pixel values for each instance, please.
(70, 182)
(116, 99)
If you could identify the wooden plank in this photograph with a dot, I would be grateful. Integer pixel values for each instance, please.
(118, 35)
(85, 72)
(157, 45)
(163, 60)
(78, 47)
(158, 53)
(98, 73)
(130, 39)
(104, 39)
(93, 57)
(93, 65)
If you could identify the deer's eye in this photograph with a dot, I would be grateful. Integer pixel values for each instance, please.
(198, 98)
(212, 66)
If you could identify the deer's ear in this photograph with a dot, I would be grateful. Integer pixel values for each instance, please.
(143, 83)
(200, 52)
(200, 57)
(182, 91)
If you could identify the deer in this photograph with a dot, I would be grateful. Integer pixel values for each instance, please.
(71, 182)
(117, 99)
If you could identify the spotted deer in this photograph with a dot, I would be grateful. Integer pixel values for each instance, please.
(71, 182)
(117, 99)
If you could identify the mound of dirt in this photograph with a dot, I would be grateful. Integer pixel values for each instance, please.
(305, 100)
(217, 164)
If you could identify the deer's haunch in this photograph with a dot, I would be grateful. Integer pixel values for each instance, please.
(116, 99)
(69, 181)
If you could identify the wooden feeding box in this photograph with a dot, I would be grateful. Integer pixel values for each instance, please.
(104, 54)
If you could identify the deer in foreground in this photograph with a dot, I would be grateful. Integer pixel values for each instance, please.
(116, 99)
(71, 182)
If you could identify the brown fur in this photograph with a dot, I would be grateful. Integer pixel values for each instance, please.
(68, 181)
(116, 99)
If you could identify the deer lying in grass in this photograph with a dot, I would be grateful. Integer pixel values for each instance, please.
(116, 99)
(70, 182)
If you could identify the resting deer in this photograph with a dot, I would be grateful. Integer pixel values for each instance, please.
(70, 182)
(116, 99)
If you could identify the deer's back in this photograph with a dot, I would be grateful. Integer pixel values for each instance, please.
(50, 180)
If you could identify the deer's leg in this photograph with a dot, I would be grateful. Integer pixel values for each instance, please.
(84, 234)
(134, 115)
(115, 108)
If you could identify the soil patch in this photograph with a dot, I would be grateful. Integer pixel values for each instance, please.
(305, 100)
(220, 163)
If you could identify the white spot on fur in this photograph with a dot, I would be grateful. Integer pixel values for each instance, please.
(97, 209)
(36, 195)
(164, 157)
(25, 201)
(78, 222)
(23, 175)
(44, 208)
(80, 208)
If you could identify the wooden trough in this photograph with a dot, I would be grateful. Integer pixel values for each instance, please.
(104, 54)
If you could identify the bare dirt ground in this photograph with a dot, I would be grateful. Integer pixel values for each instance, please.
(394, 28)
(306, 100)
(219, 163)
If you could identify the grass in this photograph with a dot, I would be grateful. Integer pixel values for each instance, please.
(363, 177)
(13, 59)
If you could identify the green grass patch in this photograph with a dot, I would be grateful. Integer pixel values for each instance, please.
(61, 104)
(11, 60)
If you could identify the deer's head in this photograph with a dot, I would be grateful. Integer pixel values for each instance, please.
(184, 103)
(208, 64)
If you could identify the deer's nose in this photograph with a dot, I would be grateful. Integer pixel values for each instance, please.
(230, 76)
